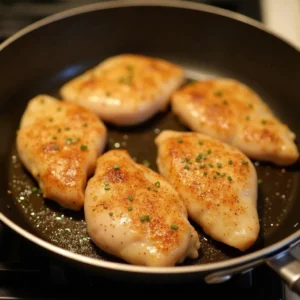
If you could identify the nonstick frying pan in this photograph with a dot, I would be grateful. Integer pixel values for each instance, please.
(208, 42)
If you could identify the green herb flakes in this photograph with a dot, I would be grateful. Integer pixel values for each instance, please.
(36, 190)
(174, 227)
(146, 163)
(198, 157)
(68, 141)
(264, 122)
(145, 218)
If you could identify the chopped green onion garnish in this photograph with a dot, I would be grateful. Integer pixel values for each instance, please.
(130, 198)
(110, 213)
(264, 122)
(116, 167)
(83, 147)
(174, 227)
(219, 165)
(145, 218)
(215, 177)
(130, 68)
(230, 162)
(201, 143)
(225, 102)
(244, 162)
(199, 157)
(85, 124)
(209, 151)
(68, 141)
(67, 128)
(218, 94)
(157, 184)
(146, 163)
(56, 147)
(205, 173)
(130, 208)
(211, 165)
(186, 168)
(180, 140)
(59, 130)
(229, 178)
(202, 166)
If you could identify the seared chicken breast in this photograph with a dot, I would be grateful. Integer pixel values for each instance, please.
(135, 214)
(217, 183)
(232, 112)
(126, 89)
(59, 142)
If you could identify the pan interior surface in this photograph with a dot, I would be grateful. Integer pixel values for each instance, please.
(207, 46)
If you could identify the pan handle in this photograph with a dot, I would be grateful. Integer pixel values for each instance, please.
(286, 265)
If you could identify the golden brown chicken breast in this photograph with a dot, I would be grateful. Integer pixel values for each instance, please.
(217, 183)
(126, 89)
(59, 143)
(230, 111)
(135, 214)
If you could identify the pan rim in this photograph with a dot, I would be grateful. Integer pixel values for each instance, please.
(256, 256)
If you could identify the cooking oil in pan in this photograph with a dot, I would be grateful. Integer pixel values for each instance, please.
(66, 229)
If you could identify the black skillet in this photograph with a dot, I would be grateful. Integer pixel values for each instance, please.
(207, 42)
